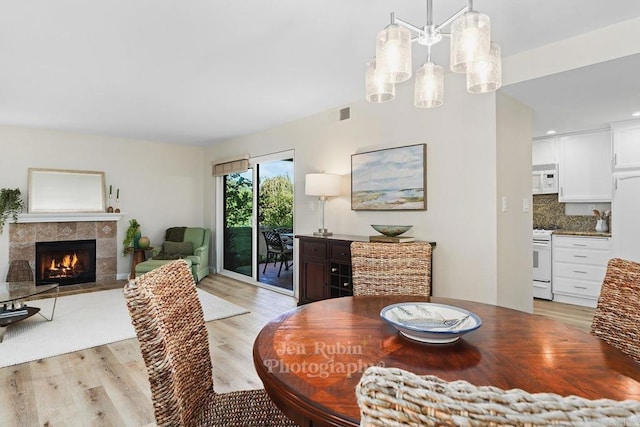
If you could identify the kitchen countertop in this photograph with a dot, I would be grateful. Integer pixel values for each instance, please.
(580, 233)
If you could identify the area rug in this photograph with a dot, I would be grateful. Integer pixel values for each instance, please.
(83, 321)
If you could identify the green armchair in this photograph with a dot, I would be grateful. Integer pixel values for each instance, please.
(188, 243)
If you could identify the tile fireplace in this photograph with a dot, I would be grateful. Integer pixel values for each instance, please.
(23, 238)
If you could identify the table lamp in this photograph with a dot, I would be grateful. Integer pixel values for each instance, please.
(323, 185)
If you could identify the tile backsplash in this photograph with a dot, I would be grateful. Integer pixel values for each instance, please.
(548, 211)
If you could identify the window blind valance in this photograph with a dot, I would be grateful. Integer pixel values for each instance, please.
(232, 166)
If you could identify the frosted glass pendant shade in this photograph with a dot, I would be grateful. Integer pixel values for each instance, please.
(429, 86)
(485, 73)
(378, 89)
(470, 38)
(393, 53)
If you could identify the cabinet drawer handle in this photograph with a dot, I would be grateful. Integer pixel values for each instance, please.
(579, 256)
(580, 287)
(333, 270)
(579, 244)
(578, 271)
(342, 254)
(345, 284)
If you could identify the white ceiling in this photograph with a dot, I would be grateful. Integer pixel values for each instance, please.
(586, 98)
(201, 71)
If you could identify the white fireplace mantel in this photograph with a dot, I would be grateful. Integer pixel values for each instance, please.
(68, 217)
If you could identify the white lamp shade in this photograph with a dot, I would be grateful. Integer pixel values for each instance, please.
(429, 86)
(393, 53)
(322, 184)
(485, 73)
(470, 38)
(377, 87)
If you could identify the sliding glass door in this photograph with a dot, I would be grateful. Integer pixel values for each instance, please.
(238, 230)
(275, 223)
(258, 222)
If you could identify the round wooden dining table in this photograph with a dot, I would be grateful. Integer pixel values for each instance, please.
(311, 358)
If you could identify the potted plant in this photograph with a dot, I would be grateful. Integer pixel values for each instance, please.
(131, 237)
(11, 204)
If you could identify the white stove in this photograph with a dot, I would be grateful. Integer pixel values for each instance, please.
(542, 234)
(542, 286)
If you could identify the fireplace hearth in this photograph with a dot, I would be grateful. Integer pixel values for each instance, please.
(65, 262)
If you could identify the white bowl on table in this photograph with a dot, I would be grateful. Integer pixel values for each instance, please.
(430, 322)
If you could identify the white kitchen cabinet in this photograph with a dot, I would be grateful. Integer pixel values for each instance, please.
(585, 167)
(626, 145)
(579, 267)
(544, 151)
(625, 216)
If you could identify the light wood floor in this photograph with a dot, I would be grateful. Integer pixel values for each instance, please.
(108, 385)
(574, 315)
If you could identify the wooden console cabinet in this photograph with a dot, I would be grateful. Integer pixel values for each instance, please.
(325, 266)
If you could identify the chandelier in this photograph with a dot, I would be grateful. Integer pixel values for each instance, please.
(471, 51)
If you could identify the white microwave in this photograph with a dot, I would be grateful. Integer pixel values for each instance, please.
(544, 179)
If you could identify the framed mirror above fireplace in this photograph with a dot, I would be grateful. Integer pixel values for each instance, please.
(58, 191)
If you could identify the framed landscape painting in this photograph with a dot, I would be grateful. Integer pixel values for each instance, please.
(389, 179)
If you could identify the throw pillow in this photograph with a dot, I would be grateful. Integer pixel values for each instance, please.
(175, 234)
(178, 248)
(163, 256)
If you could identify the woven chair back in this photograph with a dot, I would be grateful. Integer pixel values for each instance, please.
(167, 316)
(617, 314)
(394, 397)
(391, 268)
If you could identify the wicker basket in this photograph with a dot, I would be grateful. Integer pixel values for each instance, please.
(20, 271)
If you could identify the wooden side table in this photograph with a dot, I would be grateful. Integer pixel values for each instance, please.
(138, 256)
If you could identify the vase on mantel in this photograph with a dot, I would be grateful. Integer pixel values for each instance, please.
(602, 226)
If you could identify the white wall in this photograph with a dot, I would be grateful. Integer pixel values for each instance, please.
(161, 185)
(461, 180)
(514, 225)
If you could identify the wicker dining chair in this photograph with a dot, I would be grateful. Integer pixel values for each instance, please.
(394, 397)
(617, 314)
(167, 316)
(391, 268)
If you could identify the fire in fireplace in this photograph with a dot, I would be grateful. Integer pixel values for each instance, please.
(66, 262)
